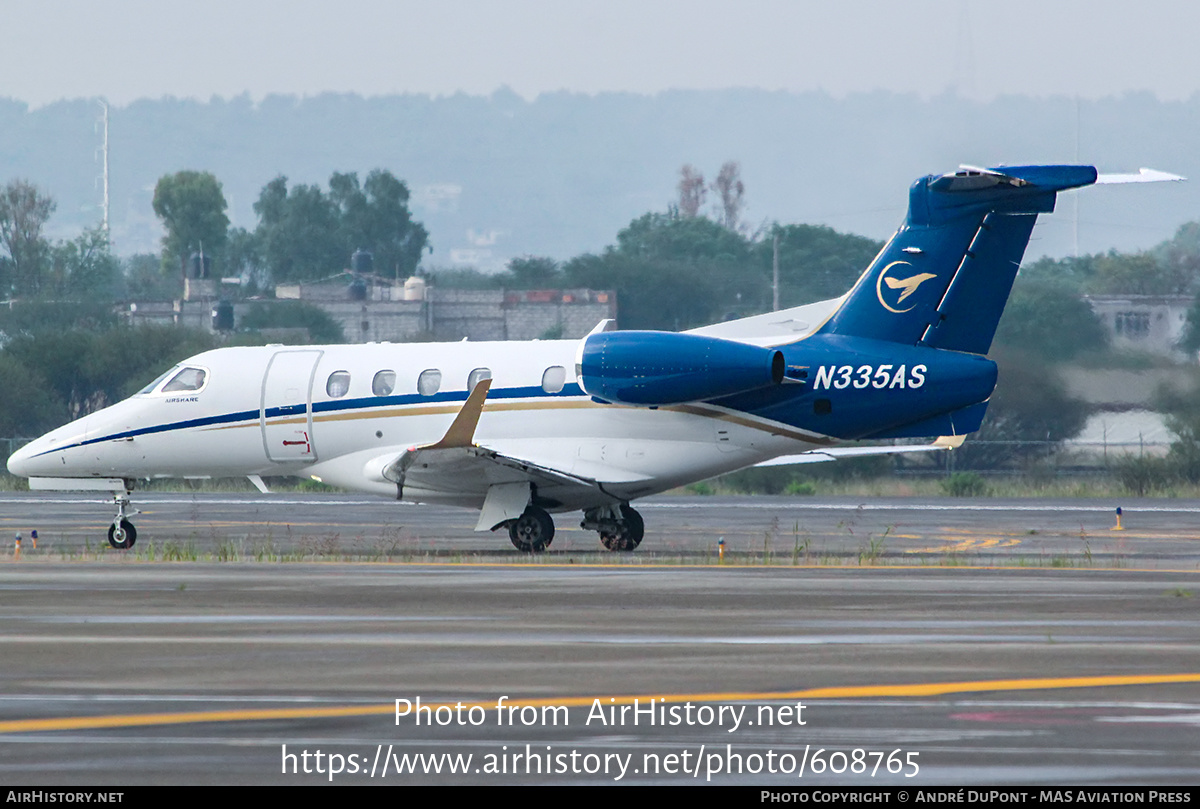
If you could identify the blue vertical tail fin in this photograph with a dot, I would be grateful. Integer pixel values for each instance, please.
(944, 278)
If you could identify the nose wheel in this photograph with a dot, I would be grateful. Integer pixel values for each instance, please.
(122, 534)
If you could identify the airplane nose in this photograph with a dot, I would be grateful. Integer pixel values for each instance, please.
(54, 454)
(39, 459)
(19, 462)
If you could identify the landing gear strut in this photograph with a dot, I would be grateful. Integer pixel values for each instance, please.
(533, 531)
(621, 527)
(122, 534)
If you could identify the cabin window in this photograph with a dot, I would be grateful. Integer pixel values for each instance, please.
(188, 379)
(338, 384)
(477, 376)
(429, 382)
(554, 378)
(384, 383)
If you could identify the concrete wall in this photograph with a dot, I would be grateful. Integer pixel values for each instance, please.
(550, 314)
(444, 314)
(374, 322)
(477, 314)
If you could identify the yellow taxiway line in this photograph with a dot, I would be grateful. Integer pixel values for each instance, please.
(833, 692)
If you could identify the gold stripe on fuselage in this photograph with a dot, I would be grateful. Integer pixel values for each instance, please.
(766, 426)
(774, 428)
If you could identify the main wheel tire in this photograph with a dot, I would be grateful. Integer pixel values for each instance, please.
(533, 531)
(123, 536)
(635, 525)
(614, 541)
(628, 532)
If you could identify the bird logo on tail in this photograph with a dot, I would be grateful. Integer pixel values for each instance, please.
(907, 285)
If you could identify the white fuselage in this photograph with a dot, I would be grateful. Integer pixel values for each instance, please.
(279, 410)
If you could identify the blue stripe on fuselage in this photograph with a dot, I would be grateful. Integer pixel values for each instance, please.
(529, 392)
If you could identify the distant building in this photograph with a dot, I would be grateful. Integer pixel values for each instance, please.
(386, 313)
(1150, 323)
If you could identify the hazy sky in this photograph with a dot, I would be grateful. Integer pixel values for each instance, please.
(127, 49)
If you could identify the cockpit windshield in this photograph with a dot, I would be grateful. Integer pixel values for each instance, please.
(187, 379)
(157, 380)
(181, 380)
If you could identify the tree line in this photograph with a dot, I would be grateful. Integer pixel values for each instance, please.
(673, 269)
(304, 233)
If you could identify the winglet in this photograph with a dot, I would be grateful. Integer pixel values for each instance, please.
(462, 431)
(950, 441)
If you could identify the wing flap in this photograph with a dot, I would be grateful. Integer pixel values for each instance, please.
(504, 501)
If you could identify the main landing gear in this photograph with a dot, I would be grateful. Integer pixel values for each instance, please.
(533, 531)
(621, 527)
(122, 534)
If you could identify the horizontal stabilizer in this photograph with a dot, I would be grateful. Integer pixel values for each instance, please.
(1143, 175)
(834, 453)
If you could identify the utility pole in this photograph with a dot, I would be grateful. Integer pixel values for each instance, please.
(775, 274)
(1075, 196)
(104, 152)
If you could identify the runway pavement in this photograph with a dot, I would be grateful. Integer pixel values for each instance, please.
(1031, 532)
(1040, 666)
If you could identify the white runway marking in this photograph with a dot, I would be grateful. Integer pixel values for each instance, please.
(692, 506)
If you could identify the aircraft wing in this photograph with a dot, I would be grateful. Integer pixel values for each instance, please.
(475, 468)
(457, 467)
(942, 444)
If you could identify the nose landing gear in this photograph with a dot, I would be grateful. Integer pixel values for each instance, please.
(122, 534)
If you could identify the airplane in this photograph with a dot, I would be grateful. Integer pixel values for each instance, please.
(522, 430)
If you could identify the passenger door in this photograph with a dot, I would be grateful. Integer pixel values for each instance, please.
(285, 410)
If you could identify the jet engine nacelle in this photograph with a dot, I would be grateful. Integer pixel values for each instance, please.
(652, 368)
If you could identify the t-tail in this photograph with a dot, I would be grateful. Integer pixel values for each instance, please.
(944, 278)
